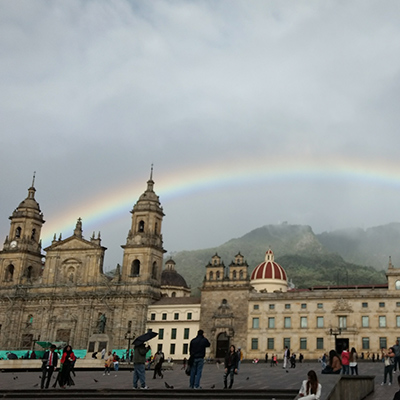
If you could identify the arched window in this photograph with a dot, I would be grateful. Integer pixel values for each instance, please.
(211, 275)
(154, 270)
(234, 275)
(141, 226)
(217, 275)
(29, 272)
(18, 232)
(71, 274)
(135, 270)
(10, 273)
(241, 274)
(173, 294)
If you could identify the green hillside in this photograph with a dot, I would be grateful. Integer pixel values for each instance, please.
(306, 260)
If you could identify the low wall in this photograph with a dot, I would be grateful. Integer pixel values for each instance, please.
(352, 387)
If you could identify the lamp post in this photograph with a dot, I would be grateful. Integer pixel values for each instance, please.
(129, 336)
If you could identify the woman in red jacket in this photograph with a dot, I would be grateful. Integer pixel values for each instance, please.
(67, 361)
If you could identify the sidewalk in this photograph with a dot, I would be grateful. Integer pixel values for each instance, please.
(251, 376)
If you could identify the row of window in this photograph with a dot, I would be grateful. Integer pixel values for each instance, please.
(319, 343)
(342, 322)
(186, 333)
(303, 306)
(172, 348)
(176, 316)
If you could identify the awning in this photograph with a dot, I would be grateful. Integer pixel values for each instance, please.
(46, 345)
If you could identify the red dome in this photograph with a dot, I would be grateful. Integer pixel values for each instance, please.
(269, 270)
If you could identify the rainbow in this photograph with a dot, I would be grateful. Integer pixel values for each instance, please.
(238, 171)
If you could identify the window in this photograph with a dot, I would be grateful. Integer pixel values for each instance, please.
(303, 306)
(164, 316)
(186, 333)
(343, 322)
(185, 348)
(173, 333)
(189, 315)
(382, 322)
(398, 321)
(271, 322)
(303, 322)
(365, 343)
(320, 305)
(153, 316)
(364, 305)
(135, 268)
(172, 348)
(272, 306)
(287, 306)
(365, 322)
(381, 304)
(161, 333)
(286, 342)
(176, 315)
(397, 285)
(320, 343)
(256, 323)
(254, 343)
(270, 343)
(287, 322)
(320, 322)
(382, 343)
(303, 343)
(256, 307)
(398, 304)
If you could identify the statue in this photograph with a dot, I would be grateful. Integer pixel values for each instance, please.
(102, 323)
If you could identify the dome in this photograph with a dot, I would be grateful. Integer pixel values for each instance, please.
(269, 275)
(30, 201)
(172, 278)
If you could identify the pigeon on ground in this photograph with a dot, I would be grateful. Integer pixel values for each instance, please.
(213, 386)
(247, 378)
(95, 380)
(168, 386)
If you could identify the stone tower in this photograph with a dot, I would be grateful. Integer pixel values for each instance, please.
(21, 257)
(143, 251)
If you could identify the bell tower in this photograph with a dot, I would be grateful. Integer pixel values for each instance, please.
(20, 259)
(143, 251)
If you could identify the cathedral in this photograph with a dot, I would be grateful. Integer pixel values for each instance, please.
(63, 295)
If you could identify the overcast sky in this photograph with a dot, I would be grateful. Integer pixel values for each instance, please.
(252, 112)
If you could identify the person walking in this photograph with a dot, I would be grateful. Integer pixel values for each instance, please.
(49, 365)
(240, 357)
(397, 394)
(139, 361)
(116, 362)
(310, 388)
(66, 362)
(231, 364)
(346, 361)
(353, 361)
(107, 363)
(286, 356)
(396, 349)
(388, 359)
(197, 350)
(158, 361)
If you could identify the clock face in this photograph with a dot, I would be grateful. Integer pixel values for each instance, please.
(13, 244)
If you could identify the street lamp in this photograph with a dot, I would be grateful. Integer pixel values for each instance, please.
(129, 336)
(335, 332)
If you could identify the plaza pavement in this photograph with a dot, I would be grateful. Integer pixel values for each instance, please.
(251, 376)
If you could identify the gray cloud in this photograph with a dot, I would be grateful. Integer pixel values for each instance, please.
(93, 92)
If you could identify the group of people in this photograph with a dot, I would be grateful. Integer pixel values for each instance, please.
(49, 365)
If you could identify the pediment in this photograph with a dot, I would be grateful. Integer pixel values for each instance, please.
(72, 243)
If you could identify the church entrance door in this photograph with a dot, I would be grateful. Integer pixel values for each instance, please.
(222, 345)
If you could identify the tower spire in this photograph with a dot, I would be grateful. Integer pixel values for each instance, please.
(151, 172)
(33, 179)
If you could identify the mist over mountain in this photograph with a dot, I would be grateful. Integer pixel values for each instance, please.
(353, 256)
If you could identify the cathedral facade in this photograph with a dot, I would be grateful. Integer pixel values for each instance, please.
(65, 296)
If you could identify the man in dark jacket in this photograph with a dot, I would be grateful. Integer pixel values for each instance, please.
(197, 351)
(139, 360)
(50, 360)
